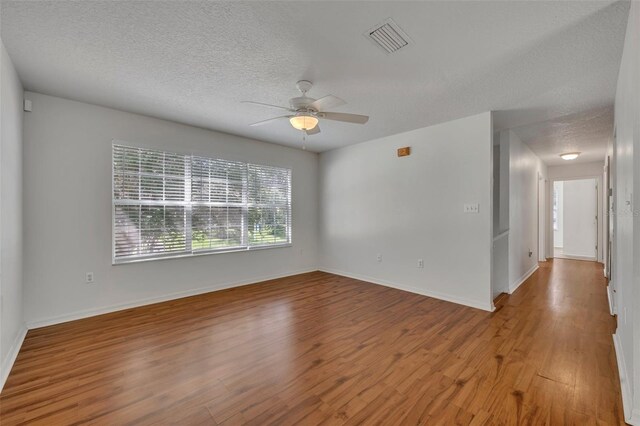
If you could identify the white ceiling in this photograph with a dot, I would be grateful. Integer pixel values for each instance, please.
(193, 62)
(585, 132)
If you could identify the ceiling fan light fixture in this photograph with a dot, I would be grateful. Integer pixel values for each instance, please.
(569, 155)
(303, 122)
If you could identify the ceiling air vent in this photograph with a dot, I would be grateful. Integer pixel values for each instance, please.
(388, 36)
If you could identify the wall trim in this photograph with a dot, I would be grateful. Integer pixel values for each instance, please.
(522, 279)
(577, 257)
(600, 207)
(7, 363)
(612, 309)
(44, 322)
(631, 416)
(436, 295)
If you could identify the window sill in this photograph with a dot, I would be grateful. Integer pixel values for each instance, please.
(116, 262)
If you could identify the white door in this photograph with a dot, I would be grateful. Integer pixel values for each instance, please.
(580, 206)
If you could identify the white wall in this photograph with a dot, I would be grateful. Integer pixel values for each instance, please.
(558, 234)
(626, 271)
(12, 327)
(607, 225)
(495, 191)
(411, 208)
(524, 169)
(579, 211)
(500, 184)
(500, 265)
(500, 248)
(576, 170)
(67, 163)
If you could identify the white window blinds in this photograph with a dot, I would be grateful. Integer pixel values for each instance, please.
(167, 204)
(269, 204)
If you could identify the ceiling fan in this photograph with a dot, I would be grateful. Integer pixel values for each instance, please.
(305, 112)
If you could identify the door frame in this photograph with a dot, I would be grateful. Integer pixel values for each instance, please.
(542, 217)
(599, 211)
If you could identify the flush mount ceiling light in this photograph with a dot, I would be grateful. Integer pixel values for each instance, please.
(303, 122)
(569, 155)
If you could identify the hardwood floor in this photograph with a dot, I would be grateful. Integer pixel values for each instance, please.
(323, 349)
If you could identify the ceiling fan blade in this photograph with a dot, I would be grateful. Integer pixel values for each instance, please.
(326, 102)
(314, 131)
(260, 123)
(342, 116)
(267, 105)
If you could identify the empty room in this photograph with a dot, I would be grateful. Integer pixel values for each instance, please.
(319, 212)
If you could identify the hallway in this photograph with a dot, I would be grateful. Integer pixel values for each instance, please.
(562, 330)
(319, 348)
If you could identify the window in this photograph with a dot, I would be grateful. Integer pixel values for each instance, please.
(167, 204)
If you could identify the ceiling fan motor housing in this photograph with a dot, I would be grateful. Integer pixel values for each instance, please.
(301, 103)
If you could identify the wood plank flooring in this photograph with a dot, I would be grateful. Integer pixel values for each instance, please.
(323, 349)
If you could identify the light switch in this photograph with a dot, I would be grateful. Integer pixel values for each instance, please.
(472, 208)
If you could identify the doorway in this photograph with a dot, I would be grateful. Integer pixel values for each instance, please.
(575, 219)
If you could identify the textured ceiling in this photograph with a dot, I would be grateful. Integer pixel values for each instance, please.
(586, 132)
(193, 62)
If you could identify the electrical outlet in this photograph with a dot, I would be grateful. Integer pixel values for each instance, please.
(379, 258)
(472, 208)
(420, 263)
(89, 278)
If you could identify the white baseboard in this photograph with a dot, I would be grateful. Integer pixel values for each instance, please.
(631, 416)
(513, 287)
(44, 322)
(8, 362)
(436, 295)
(576, 257)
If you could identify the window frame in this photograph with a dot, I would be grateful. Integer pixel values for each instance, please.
(189, 205)
(555, 208)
